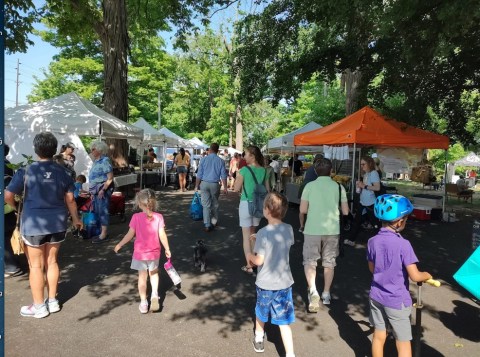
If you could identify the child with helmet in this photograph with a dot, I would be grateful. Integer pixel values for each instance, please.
(392, 261)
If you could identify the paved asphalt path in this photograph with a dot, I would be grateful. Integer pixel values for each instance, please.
(213, 313)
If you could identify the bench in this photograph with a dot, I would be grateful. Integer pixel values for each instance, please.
(452, 190)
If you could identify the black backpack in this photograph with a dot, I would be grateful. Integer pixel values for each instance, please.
(382, 191)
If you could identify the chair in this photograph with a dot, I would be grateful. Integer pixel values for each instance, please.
(452, 190)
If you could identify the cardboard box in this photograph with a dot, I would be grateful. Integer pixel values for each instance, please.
(422, 213)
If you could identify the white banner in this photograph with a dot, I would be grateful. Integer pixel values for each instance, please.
(399, 160)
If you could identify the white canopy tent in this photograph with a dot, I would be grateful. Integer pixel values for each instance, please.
(470, 160)
(163, 138)
(172, 139)
(284, 144)
(151, 136)
(198, 144)
(67, 117)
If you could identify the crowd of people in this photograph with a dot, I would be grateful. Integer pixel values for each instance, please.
(49, 196)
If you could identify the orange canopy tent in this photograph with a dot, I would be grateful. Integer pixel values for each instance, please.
(368, 127)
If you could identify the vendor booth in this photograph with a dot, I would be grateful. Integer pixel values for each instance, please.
(471, 160)
(67, 117)
(163, 138)
(284, 144)
(367, 127)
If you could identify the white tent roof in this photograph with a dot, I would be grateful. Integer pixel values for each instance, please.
(69, 113)
(150, 134)
(172, 139)
(470, 160)
(196, 143)
(285, 142)
(67, 117)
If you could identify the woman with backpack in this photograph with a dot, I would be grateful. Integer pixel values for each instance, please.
(248, 177)
(367, 187)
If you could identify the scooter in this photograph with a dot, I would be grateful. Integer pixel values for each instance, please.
(417, 337)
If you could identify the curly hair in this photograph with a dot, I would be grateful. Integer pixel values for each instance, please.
(100, 146)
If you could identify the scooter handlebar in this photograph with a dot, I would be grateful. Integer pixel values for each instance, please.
(433, 282)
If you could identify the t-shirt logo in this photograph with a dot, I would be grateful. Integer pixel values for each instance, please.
(47, 175)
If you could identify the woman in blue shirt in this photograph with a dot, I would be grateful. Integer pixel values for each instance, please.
(100, 181)
(367, 186)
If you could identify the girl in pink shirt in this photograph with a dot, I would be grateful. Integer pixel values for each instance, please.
(149, 229)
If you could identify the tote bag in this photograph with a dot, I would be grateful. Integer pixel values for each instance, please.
(91, 223)
(196, 208)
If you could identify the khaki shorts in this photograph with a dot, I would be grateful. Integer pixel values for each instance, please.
(381, 316)
(320, 247)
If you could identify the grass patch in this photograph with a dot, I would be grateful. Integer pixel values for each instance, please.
(410, 188)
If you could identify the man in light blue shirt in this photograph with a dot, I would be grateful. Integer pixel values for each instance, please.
(210, 171)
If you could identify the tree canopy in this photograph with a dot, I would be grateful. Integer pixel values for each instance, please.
(19, 17)
(422, 52)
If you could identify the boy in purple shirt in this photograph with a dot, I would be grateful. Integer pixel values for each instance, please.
(392, 261)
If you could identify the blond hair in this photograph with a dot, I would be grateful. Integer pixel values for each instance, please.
(276, 204)
(147, 198)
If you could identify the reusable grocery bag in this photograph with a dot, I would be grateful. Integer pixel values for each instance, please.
(91, 223)
(196, 208)
(468, 275)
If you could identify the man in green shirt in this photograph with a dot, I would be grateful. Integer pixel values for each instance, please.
(319, 201)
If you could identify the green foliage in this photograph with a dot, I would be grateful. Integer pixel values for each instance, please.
(417, 59)
(319, 102)
(29, 159)
(437, 157)
(19, 17)
(82, 75)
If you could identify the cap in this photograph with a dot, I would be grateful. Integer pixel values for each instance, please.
(70, 145)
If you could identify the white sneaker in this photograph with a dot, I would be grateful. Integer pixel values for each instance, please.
(349, 242)
(31, 311)
(53, 306)
(326, 298)
(313, 301)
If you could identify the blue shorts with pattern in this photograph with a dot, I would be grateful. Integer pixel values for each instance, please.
(276, 304)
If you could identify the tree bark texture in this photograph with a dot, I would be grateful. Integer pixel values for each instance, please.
(351, 82)
(114, 38)
(238, 129)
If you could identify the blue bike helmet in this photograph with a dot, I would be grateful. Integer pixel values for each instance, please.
(390, 208)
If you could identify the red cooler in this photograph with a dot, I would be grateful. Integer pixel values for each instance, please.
(421, 213)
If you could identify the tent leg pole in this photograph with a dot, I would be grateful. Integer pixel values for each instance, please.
(445, 182)
(141, 167)
(352, 188)
(293, 160)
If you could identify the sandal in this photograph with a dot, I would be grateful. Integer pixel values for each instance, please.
(248, 270)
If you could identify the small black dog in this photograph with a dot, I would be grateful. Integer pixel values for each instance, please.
(200, 255)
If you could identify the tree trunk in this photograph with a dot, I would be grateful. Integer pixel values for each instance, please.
(238, 129)
(114, 37)
(352, 84)
(230, 130)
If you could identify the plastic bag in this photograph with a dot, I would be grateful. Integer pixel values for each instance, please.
(196, 208)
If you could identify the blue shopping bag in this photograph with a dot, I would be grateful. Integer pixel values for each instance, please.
(91, 223)
(468, 275)
(196, 208)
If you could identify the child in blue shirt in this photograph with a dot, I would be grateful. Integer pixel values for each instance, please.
(81, 196)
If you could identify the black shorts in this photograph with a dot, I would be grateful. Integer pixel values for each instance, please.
(38, 241)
